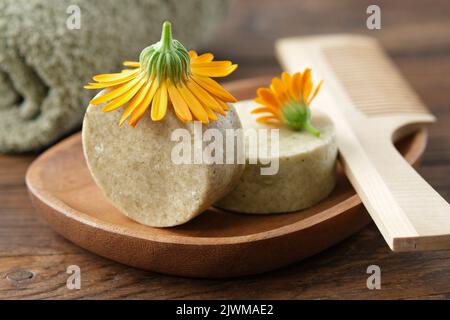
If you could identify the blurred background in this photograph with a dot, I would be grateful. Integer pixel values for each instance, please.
(411, 31)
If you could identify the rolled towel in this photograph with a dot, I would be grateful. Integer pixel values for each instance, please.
(44, 64)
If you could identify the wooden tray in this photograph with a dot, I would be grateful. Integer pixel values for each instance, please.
(215, 244)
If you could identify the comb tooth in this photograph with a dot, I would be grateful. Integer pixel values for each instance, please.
(372, 81)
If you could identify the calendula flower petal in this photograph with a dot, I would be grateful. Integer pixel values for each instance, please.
(296, 86)
(286, 100)
(279, 90)
(194, 106)
(306, 84)
(261, 110)
(179, 105)
(286, 79)
(108, 84)
(115, 76)
(214, 64)
(268, 119)
(211, 114)
(206, 57)
(266, 109)
(159, 104)
(121, 100)
(203, 96)
(92, 85)
(135, 102)
(212, 71)
(133, 64)
(214, 88)
(223, 104)
(267, 97)
(193, 54)
(139, 111)
(117, 92)
(316, 91)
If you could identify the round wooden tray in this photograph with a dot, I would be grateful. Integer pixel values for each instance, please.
(215, 244)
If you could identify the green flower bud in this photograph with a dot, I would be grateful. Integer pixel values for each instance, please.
(297, 116)
(166, 59)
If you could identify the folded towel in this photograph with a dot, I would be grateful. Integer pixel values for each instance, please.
(44, 64)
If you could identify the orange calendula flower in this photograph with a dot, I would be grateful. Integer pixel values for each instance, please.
(287, 102)
(166, 74)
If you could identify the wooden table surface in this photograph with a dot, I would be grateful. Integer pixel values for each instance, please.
(33, 259)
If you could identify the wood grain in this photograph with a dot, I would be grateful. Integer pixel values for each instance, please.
(423, 56)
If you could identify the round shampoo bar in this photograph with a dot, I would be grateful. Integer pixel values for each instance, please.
(133, 167)
(306, 168)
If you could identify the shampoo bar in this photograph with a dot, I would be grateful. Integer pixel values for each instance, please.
(306, 172)
(134, 168)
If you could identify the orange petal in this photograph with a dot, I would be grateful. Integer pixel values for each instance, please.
(118, 91)
(273, 111)
(213, 71)
(296, 86)
(268, 120)
(224, 105)
(135, 102)
(139, 111)
(194, 105)
(114, 76)
(206, 57)
(159, 104)
(192, 54)
(179, 105)
(101, 85)
(213, 64)
(315, 92)
(214, 88)
(278, 88)
(211, 114)
(267, 97)
(306, 84)
(204, 97)
(286, 79)
(120, 101)
(132, 64)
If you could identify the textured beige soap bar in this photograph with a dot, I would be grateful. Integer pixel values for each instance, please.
(306, 173)
(134, 169)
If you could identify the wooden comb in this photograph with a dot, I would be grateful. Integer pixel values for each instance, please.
(372, 106)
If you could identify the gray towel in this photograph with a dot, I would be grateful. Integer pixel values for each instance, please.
(44, 64)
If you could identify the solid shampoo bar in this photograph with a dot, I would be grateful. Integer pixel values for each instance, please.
(134, 169)
(306, 173)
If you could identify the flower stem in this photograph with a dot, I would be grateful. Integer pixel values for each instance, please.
(310, 128)
(166, 36)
